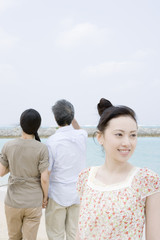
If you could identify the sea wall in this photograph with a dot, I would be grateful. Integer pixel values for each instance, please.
(47, 131)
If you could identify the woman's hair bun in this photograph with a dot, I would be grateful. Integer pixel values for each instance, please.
(103, 105)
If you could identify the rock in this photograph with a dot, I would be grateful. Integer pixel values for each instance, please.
(48, 131)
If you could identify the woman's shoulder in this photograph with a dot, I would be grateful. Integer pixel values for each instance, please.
(85, 172)
(35, 143)
(10, 143)
(146, 173)
(82, 180)
(146, 181)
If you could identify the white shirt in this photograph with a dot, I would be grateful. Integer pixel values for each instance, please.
(67, 157)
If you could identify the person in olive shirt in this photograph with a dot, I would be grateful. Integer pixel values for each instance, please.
(26, 158)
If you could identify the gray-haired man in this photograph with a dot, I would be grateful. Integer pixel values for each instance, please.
(67, 149)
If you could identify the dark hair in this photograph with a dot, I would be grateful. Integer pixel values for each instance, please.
(107, 112)
(30, 121)
(63, 112)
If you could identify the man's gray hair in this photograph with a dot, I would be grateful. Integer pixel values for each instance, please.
(63, 112)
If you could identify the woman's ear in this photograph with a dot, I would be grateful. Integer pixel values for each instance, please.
(99, 136)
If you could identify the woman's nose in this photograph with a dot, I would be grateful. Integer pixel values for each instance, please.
(126, 141)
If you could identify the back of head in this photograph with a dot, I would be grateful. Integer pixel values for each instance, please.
(63, 112)
(107, 112)
(30, 122)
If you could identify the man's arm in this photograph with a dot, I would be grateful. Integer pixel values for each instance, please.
(75, 124)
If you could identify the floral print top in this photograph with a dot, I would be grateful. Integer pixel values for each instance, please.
(117, 211)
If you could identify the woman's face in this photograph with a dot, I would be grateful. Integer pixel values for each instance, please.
(119, 139)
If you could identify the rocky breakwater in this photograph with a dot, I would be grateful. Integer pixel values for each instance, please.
(48, 131)
(148, 131)
(142, 131)
(16, 132)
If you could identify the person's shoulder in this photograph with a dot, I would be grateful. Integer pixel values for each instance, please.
(81, 132)
(85, 172)
(147, 182)
(82, 180)
(11, 142)
(51, 138)
(146, 173)
(39, 145)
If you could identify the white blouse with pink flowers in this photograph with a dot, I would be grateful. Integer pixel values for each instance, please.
(115, 212)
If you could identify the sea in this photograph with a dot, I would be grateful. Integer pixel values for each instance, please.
(147, 154)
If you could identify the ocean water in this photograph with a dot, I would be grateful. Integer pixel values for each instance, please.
(147, 153)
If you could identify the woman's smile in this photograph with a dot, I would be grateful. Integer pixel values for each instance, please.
(124, 152)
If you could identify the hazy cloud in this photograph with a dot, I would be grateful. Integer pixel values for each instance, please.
(7, 40)
(67, 22)
(83, 33)
(111, 68)
(7, 74)
(4, 4)
(143, 53)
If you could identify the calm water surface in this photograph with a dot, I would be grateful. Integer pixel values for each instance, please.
(147, 153)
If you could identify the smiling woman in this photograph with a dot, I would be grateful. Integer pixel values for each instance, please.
(117, 197)
(119, 139)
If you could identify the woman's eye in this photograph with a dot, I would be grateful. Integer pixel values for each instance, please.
(118, 134)
(133, 135)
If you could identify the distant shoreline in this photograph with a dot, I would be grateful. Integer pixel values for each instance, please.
(44, 132)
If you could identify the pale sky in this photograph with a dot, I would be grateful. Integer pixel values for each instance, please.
(80, 51)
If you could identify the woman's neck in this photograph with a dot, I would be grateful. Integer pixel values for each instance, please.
(27, 136)
(116, 167)
(112, 174)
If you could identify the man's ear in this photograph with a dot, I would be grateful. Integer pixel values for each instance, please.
(99, 137)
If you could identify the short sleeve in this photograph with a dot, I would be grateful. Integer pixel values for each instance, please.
(3, 157)
(43, 163)
(82, 139)
(149, 182)
(82, 181)
(84, 133)
(51, 158)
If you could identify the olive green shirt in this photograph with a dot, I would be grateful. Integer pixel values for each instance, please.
(26, 159)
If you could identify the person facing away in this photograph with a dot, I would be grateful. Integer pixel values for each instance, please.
(26, 158)
(67, 157)
(117, 198)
